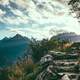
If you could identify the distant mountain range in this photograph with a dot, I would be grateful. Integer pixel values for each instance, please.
(72, 37)
(12, 48)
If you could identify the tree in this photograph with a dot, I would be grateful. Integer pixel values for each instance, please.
(4, 74)
(39, 49)
(75, 7)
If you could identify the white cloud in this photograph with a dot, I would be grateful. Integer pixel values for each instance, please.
(21, 3)
(14, 21)
(48, 14)
(52, 15)
(2, 12)
(4, 2)
(17, 12)
(36, 32)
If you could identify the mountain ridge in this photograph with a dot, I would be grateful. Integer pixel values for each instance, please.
(12, 48)
(70, 36)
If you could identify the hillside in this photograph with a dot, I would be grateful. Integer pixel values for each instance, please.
(49, 60)
(12, 48)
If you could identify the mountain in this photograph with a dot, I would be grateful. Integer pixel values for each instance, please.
(72, 37)
(12, 48)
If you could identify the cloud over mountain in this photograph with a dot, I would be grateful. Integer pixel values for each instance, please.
(32, 14)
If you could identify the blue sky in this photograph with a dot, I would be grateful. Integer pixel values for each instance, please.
(35, 18)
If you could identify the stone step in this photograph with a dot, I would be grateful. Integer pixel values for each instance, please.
(73, 76)
(68, 73)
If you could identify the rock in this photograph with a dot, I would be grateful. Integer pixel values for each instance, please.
(65, 77)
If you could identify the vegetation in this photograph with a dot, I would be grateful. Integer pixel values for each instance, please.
(28, 67)
(75, 7)
(40, 48)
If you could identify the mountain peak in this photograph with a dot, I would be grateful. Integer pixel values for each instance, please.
(18, 36)
(5, 38)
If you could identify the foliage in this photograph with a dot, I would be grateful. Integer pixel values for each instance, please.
(27, 67)
(4, 74)
(40, 48)
(75, 7)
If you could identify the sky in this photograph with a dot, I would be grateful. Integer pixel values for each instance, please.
(36, 18)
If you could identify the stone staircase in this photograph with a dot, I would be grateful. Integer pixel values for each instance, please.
(60, 65)
(65, 64)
